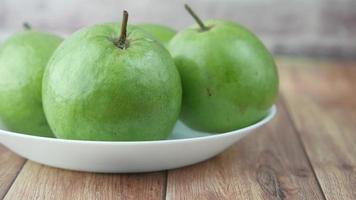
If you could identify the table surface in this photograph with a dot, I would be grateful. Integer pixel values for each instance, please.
(308, 151)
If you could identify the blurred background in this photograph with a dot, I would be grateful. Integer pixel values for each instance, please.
(313, 28)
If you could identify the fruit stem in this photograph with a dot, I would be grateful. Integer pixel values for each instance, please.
(122, 39)
(26, 26)
(196, 18)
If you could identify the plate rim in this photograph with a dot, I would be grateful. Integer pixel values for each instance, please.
(271, 113)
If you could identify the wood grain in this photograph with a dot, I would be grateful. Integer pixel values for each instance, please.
(307, 152)
(10, 165)
(321, 98)
(38, 182)
(270, 164)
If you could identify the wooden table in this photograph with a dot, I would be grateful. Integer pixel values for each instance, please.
(307, 152)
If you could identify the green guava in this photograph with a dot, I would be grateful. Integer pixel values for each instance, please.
(98, 86)
(23, 58)
(229, 78)
(162, 33)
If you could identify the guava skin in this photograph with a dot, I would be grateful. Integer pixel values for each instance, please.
(23, 58)
(93, 90)
(162, 33)
(229, 78)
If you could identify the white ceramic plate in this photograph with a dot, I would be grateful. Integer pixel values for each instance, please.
(184, 147)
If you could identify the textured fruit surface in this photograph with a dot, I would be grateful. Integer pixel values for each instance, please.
(23, 58)
(229, 78)
(93, 90)
(162, 33)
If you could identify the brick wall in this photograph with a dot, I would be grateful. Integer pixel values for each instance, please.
(298, 27)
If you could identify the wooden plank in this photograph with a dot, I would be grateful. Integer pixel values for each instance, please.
(10, 165)
(321, 98)
(36, 181)
(270, 164)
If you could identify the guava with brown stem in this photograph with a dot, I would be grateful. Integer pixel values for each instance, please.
(229, 78)
(99, 86)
